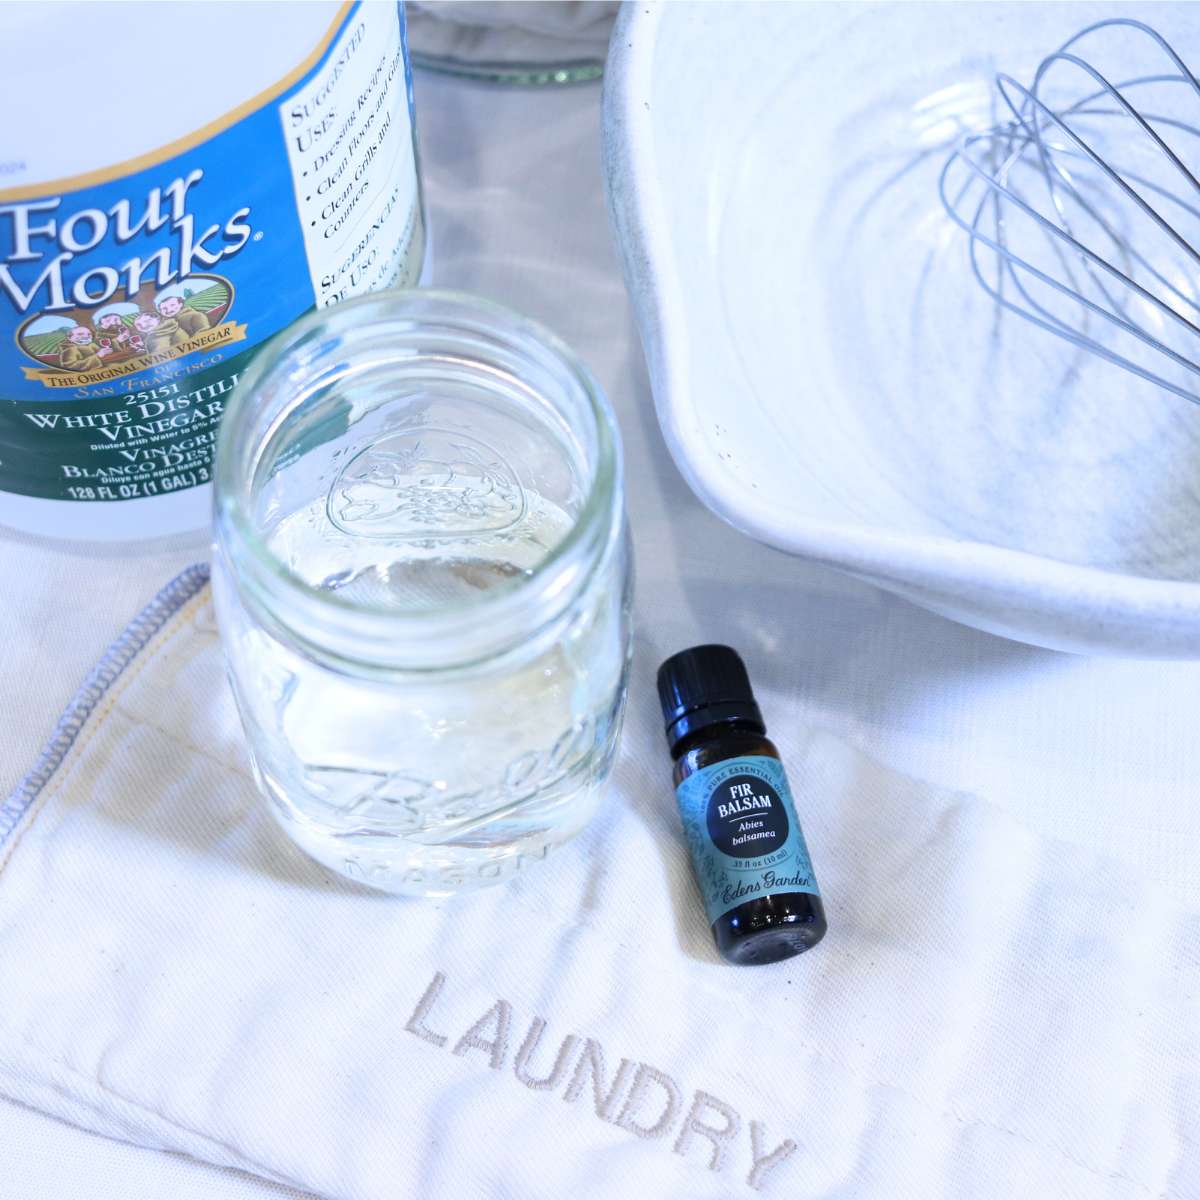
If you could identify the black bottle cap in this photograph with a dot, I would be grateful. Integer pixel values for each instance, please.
(706, 685)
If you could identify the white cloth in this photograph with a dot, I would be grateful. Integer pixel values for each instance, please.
(218, 994)
(1099, 754)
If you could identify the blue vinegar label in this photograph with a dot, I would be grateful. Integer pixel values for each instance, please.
(742, 830)
(132, 299)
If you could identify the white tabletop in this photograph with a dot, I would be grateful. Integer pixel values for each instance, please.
(1102, 753)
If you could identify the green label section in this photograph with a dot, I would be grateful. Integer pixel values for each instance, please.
(147, 441)
(743, 833)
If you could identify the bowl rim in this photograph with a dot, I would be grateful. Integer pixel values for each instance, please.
(1086, 597)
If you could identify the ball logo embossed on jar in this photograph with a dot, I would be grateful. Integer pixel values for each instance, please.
(410, 801)
(746, 818)
(426, 481)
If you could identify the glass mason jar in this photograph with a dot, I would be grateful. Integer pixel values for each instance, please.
(422, 577)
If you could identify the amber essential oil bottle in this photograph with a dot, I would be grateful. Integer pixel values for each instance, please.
(747, 846)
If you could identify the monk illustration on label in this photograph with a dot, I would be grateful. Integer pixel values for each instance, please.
(80, 352)
(114, 333)
(131, 332)
(158, 333)
(191, 320)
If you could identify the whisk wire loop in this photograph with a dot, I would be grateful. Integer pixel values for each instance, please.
(1080, 181)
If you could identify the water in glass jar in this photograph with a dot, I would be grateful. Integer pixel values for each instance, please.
(439, 785)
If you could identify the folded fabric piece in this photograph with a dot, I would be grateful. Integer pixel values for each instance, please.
(992, 1014)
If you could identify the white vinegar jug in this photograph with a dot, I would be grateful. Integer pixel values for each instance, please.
(178, 182)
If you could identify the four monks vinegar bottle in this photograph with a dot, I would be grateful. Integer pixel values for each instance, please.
(150, 245)
(747, 846)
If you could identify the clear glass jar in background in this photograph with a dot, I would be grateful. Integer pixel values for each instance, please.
(525, 43)
(422, 577)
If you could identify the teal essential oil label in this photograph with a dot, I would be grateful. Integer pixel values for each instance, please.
(133, 297)
(743, 833)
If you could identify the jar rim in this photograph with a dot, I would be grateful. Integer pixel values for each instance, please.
(239, 444)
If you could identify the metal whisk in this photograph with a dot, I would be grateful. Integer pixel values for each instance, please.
(1082, 210)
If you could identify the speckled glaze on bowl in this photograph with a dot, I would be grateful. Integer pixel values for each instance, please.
(826, 374)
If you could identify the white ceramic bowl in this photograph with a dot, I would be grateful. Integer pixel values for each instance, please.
(829, 378)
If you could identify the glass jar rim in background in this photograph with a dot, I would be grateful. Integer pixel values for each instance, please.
(402, 333)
